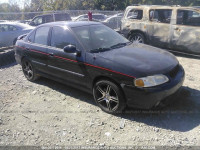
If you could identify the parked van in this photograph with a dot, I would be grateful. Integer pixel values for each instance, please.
(170, 27)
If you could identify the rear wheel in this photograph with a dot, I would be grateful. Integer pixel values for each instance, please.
(109, 97)
(137, 38)
(28, 70)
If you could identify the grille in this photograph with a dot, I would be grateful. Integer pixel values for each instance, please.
(174, 71)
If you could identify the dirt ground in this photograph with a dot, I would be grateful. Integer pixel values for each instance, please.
(47, 113)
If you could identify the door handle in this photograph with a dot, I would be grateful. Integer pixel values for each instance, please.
(51, 54)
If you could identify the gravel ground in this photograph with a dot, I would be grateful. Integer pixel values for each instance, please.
(52, 114)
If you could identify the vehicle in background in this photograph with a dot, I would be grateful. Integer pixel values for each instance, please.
(119, 15)
(95, 17)
(3, 20)
(92, 57)
(113, 22)
(169, 27)
(25, 21)
(41, 19)
(9, 31)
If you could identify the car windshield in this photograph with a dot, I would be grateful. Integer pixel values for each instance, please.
(98, 38)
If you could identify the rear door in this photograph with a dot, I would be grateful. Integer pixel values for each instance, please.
(48, 18)
(64, 65)
(159, 27)
(186, 31)
(37, 48)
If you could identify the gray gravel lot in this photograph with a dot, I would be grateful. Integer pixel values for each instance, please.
(49, 113)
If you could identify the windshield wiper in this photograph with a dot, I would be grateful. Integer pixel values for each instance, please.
(120, 45)
(99, 50)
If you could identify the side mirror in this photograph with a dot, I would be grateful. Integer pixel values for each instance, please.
(72, 49)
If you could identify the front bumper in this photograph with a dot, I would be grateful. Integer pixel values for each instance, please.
(146, 98)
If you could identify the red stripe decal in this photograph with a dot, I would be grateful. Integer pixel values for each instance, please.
(66, 59)
(20, 47)
(109, 70)
(84, 63)
(38, 52)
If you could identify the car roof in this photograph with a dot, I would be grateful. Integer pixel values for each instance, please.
(43, 15)
(71, 24)
(163, 6)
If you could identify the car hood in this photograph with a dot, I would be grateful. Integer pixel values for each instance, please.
(138, 60)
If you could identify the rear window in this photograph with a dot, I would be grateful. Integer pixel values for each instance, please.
(41, 35)
(188, 17)
(62, 17)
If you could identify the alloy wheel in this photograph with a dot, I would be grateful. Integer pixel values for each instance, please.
(28, 70)
(137, 39)
(107, 97)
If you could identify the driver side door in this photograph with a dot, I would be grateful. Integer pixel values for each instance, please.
(67, 66)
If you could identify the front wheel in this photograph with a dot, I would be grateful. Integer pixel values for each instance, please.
(109, 97)
(28, 70)
(137, 38)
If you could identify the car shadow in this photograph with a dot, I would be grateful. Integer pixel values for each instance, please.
(8, 65)
(185, 55)
(182, 115)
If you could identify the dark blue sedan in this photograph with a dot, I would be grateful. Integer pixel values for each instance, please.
(98, 60)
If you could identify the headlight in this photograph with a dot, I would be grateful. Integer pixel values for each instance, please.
(151, 81)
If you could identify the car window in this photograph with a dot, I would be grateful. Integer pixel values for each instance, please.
(160, 15)
(98, 16)
(61, 37)
(83, 34)
(31, 37)
(12, 28)
(98, 36)
(41, 35)
(135, 14)
(3, 28)
(38, 21)
(48, 18)
(6, 28)
(82, 17)
(188, 17)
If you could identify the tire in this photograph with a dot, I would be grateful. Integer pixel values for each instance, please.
(28, 70)
(137, 38)
(109, 97)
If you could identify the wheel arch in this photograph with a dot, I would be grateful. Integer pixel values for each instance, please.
(138, 31)
(98, 78)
